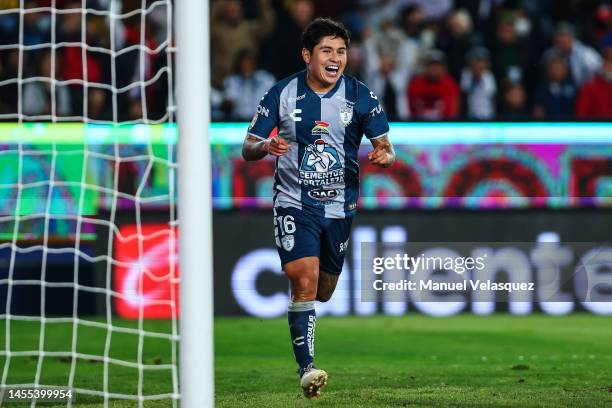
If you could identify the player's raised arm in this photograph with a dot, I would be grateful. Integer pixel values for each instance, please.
(255, 148)
(383, 154)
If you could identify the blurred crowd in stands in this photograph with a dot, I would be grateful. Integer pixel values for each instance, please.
(425, 59)
(84, 77)
(429, 59)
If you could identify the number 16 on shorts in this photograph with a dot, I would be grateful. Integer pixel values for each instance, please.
(284, 227)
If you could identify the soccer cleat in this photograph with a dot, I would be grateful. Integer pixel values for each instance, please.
(312, 381)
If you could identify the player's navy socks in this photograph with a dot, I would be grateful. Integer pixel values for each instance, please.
(302, 321)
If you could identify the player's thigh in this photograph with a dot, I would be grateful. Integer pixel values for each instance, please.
(334, 242)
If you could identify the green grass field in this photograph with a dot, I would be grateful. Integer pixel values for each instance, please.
(414, 360)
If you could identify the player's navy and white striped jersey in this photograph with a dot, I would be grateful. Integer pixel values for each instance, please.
(320, 173)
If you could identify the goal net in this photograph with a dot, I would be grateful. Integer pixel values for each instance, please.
(88, 200)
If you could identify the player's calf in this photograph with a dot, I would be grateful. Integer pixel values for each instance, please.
(326, 285)
(301, 316)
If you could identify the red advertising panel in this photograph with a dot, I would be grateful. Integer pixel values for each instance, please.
(146, 271)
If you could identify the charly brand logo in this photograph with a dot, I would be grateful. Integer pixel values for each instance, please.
(295, 115)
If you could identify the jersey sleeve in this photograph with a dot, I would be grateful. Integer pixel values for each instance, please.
(266, 116)
(373, 119)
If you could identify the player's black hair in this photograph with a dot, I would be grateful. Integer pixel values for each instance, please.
(323, 27)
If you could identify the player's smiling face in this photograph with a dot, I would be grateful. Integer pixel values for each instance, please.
(326, 63)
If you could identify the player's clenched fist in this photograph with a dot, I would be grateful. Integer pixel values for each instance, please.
(277, 146)
(380, 156)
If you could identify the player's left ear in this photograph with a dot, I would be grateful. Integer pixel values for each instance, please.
(306, 55)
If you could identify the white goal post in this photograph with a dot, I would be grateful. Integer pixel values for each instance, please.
(195, 203)
(104, 112)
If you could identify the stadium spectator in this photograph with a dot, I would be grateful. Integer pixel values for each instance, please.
(36, 26)
(390, 62)
(388, 84)
(355, 20)
(216, 104)
(583, 61)
(230, 33)
(37, 95)
(332, 9)
(514, 106)
(605, 17)
(385, 38)
(281, 55)
(511, 54)
(384, 10)
(5, 105)
(72, 56)
(9, 66)
(595, 98)
(134, 112)
(9, 25)
(412, 22)
(356, 61)
(380, 11)
(245, 87)
(434, 95)
(555, 99)
(478, 85)
(130, 72)
(581, 14)
(456, 40)
(481, 13)
(431, 9)
(99, 105)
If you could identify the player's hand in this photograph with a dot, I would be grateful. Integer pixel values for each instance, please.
(277, 146)
(380, 156)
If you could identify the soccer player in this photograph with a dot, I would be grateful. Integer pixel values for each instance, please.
(321, 116)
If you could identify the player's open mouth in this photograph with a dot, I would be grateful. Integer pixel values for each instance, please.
(332, 69)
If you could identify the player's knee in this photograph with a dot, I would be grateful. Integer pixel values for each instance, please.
(303, 288)
(306, 283)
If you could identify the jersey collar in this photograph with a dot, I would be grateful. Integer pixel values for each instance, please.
(328, 94)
